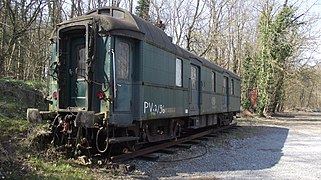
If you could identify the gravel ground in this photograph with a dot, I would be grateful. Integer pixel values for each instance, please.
(284, 147)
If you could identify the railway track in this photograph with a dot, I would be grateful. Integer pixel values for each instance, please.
(158, 147)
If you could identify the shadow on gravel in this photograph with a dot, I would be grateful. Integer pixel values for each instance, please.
(244, 148)
(262, 150)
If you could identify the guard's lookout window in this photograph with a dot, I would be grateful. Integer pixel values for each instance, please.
(123, 61)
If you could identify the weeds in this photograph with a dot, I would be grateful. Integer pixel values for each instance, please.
(25, 150)
(17, 96)
(60, 169)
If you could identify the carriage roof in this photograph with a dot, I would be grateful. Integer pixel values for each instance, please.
(117, 21)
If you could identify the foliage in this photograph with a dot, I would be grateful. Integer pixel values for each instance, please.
(303, 89)
(265, 60)
(275, 48)
(142, 9)
(249, 80)
(23, 46)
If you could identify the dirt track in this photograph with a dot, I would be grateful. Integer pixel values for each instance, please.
(300, 152)
(284, 147)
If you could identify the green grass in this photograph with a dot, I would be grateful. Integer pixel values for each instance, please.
(16, 96)
(21, 155)
(21, 159)
(61, 169)
(10, 128)
(12, 132)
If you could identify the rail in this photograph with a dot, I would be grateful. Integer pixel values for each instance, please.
(130, 155)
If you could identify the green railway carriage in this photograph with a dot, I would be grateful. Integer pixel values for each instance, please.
(116, 78)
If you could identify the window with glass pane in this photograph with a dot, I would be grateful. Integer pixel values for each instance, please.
(232, 86)
(213, 82)
(118, 14)
(179, 72)
(81, 62)
(224, 85)
(123, 61)
(193, 77)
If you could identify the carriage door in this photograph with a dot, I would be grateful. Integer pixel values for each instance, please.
(195, 90)
(77, 73)
(122, 73)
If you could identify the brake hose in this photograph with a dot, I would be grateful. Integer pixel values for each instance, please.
(106, 140)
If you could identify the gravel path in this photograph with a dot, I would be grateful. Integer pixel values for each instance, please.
(287, 147)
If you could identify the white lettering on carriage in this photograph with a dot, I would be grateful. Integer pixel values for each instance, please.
(150, 107)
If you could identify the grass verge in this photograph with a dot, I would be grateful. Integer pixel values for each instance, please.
(22, 155)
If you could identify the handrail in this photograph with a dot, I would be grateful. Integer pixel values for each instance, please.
(114, 73)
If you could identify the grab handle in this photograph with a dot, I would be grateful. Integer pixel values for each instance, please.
(114, 73)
